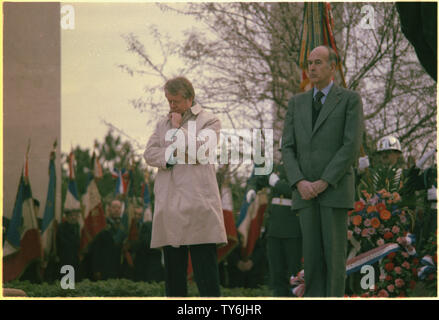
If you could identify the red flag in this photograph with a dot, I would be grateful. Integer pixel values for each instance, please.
(229, 223)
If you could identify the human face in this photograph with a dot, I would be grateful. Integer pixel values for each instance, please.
(320, 71)
(389, 157)
(72, 217)
(115, 209)
(138, 214)
(178, 103)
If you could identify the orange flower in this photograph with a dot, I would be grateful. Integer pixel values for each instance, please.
(375, 222)
(380, 207)
(396, 197)
(366, 194)
(371, 209)
(384, 193)
(350, 212)
(356, 220)
(385, 214)
(358, 206)
(388, 235)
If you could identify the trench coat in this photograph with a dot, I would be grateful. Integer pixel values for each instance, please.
(187, 208)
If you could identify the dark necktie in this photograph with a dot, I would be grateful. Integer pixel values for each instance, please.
(316, 106)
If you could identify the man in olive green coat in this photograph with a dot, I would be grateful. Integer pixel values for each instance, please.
(321, 142)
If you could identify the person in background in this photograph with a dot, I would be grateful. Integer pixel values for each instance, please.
(68, 240)
(147, 261)
(284, 239)
(106, 249)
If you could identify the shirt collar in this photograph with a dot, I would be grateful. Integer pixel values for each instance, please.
(325, 90)
(196, 109)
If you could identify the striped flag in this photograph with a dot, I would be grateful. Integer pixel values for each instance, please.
(229, 223)
(49, 223)
(317, 30)
(122, 181)
(72, 197)
(23, 239)
(251, 224)
(94, 220)
(251, 218)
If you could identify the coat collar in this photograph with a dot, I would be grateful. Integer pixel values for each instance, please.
(331, 101)
(196, 109)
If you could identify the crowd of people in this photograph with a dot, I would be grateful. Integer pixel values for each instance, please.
(112, 254)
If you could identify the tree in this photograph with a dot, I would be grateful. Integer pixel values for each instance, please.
(244, 65)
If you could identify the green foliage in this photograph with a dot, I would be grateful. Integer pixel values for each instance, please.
(121, 288)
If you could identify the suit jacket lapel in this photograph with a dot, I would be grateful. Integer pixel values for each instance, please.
(330, 103)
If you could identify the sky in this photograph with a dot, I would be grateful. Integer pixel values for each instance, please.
(94, 90)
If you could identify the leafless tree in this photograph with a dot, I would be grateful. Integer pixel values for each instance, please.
(244, 65)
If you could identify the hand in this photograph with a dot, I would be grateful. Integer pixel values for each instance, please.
(432, 194)
(320, 186)
(248, 265)
(175, 119)
(241, 265)
(274, 178)
(251, 195)
(363, 163)
(306, 190)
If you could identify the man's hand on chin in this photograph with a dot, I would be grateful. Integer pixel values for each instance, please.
(175, 119)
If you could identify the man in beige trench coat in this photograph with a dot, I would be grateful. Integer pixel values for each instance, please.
(187, 212)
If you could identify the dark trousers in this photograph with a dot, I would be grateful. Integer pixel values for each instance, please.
(284, 258)
(205, 266)
(324, 234)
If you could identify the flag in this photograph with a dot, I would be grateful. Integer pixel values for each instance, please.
(49, 223)
(317, 30)
(251, 218)
(147, 210)
(94, 220)
(122, 181)
(130, 199)
(72, 197)
(250, 227)
(229, 223)
(23, 239)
